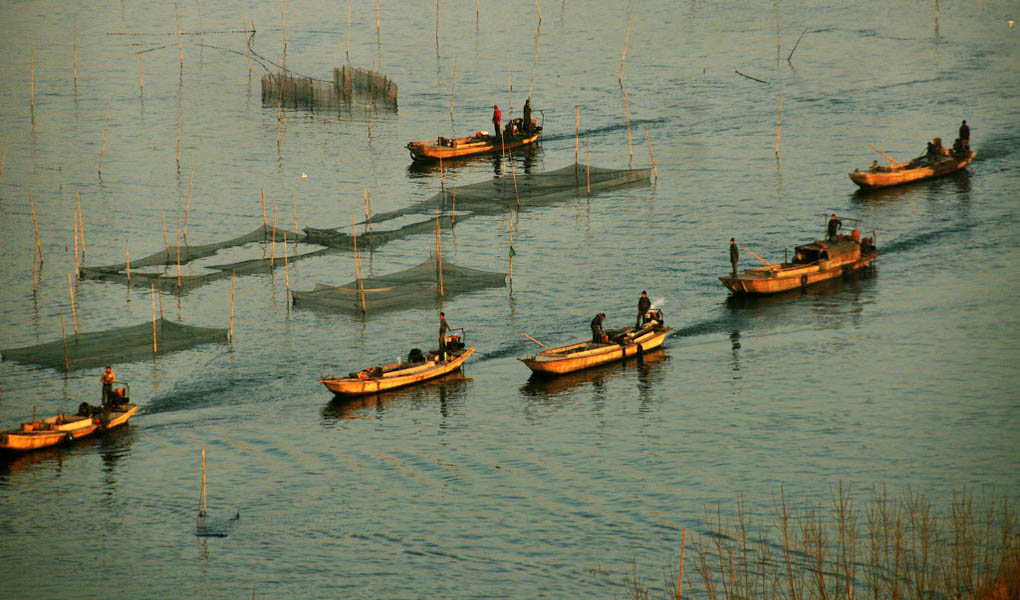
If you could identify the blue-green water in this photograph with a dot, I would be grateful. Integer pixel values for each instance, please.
(492, 485)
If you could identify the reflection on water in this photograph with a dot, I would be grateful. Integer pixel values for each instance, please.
(524, 159)
(447, 389)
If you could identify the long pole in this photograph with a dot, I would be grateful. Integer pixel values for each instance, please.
(626, 40)
(439, 254)
(286, 268)
(577, 132)
(153, 294)
(31, 99)
(357, 265)
(35, 227)
(75, 53)
(368, 217)
(202, 514)
(626, 110)
(127, 258)
(453, 90)
(779, 120)
(536, 341)
(262, 195)
(230, 332)
(76, 269)
(178, 255)
(166, 243)
(74, 312)
(141, 77)
(272, 252)
(293, 213)
(81, 223)
(106, 131)
(650, 153)
(3, 157)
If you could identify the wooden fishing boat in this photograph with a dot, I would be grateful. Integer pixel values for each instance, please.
(48, 432)
(451, 148)
(402, 373)
(919, 169)
(812, 263)
(622, 344)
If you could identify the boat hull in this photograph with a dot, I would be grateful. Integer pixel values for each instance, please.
(352, 386)
(883, 179)
(427, 151)
(27, 440)
(585, 355)
(799, 278)
(108, 419)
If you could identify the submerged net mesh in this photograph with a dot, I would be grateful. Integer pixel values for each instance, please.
(126, 344)
(493, 196)
(417, 287)
(349, 85)
(168, 281)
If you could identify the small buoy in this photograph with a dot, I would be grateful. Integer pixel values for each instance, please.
(1010, 23)
(304, 175)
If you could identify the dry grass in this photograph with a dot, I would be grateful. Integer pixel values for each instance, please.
(891, 548)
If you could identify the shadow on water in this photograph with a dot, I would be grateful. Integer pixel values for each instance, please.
(447, 389)
(541, 387)
(112, 446)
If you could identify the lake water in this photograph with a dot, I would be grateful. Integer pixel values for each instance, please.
(490, 484)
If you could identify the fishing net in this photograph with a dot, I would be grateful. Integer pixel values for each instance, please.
(160, 268)
(417, 287)
(349, 85)
(493, 196)
(126, 344)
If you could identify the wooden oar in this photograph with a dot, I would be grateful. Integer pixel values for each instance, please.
(892, 161)
(536, 341)
(748, 250)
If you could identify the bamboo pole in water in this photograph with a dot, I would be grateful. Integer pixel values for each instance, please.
(368, 217)
(272, 251)
(202, 513)
(180, 46)
(630, 145)
(286, 268)
(293, 213)
(187, 204)
(587, 153)
(539, 9)
(74, 311)
(166, 242)
(357, 265)
(153, 294)
(513, 173)
(626, 40)
(453, 90)
(262, 196)
(141, 77)
(178, 255)
(439, 254)
(63, 339)
(31, 97)
(35, 227)
(230, 332)
(778, 45)
(179, 110)
(437, 26)
(81, 223)
(378, 18)
(74, 60)
(127, 255)
(650, 153)
(283, 21)
(106, 131)
(76, 268)
(3, 157)
(511, 252)
(577, 132)
(347, 36)
(779, 120)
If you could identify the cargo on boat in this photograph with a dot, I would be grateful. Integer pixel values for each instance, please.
(817, 261)
(618, 345)
(417, 368)
(481, 143)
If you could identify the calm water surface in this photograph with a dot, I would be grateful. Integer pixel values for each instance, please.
(491, 484)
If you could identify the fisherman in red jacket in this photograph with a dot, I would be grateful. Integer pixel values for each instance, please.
(497, 118)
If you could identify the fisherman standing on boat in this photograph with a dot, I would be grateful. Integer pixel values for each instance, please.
(643, 305)
(734, 256)
(108, 378)
(965, 136)
(597, 334)
(497, 118)
(527, 116)
(834, 225)
(443, 328)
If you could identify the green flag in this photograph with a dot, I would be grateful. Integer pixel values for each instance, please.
(512, 253)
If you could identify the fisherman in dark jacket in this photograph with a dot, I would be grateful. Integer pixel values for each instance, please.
(597, 334)
(643, 304)
(443, 328)
(527, 116)
(834, 225)
(734, 256)
(965, 136)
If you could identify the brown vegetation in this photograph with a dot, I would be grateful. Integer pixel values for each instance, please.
(893, 548)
